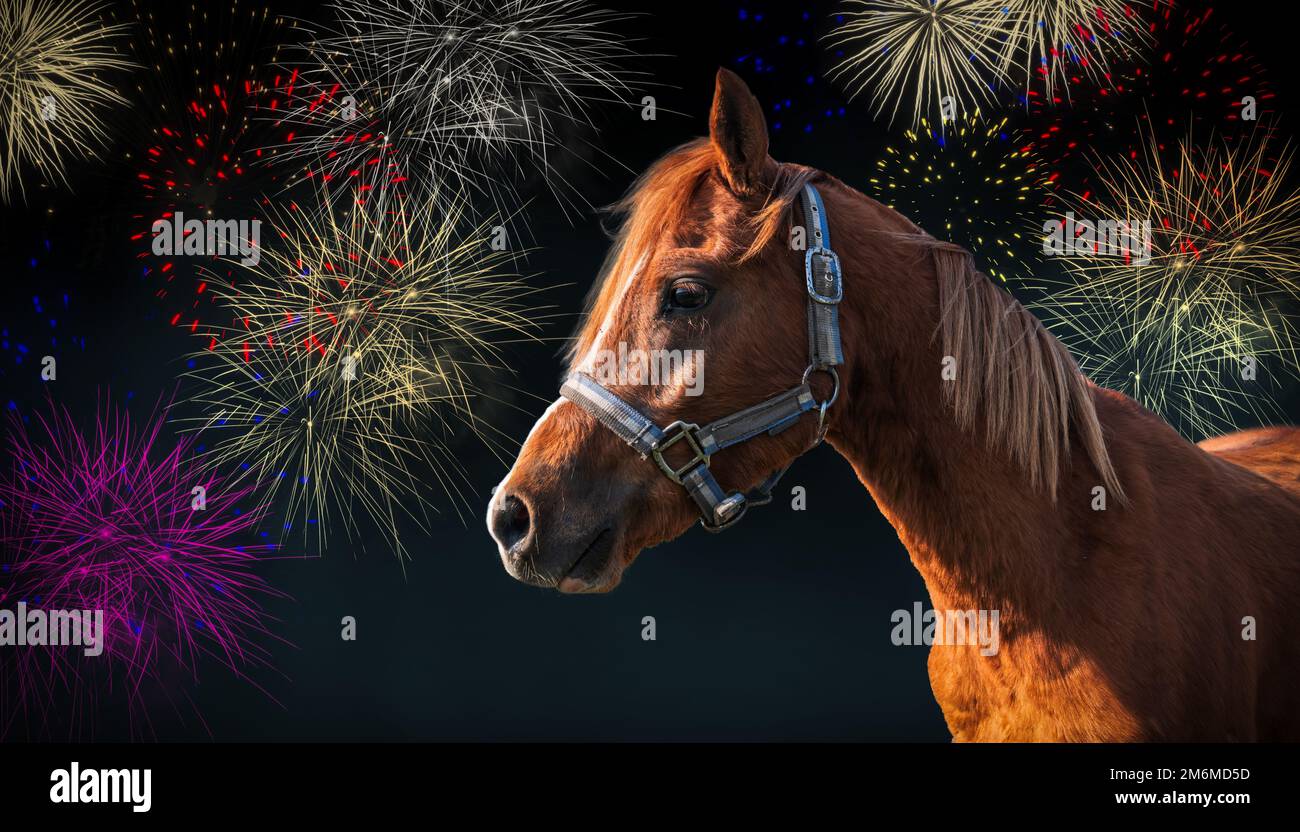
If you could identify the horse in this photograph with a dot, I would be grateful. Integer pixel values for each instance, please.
(1147, 588)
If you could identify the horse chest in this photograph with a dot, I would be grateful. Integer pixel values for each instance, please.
(1030, 691)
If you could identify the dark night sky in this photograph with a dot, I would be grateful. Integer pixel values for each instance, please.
(778, 629)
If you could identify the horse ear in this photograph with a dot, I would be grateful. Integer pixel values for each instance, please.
(738, 132)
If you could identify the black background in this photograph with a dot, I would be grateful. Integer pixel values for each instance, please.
(778, 629)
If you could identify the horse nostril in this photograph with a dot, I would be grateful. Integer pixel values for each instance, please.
(510, 525)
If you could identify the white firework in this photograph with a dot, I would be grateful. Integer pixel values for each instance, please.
(1047, 40)
(355, 363)
(1193, 313)
(941, 56)
(455, 98)
(54, 62)
(944, 58)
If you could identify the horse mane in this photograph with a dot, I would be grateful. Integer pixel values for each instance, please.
(1017, 375)
(1010, 368)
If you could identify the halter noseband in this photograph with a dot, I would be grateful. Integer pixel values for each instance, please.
(719, 510)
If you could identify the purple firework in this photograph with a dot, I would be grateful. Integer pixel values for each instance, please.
(112, 520)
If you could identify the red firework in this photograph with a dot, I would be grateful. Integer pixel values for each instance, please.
(1198, 77)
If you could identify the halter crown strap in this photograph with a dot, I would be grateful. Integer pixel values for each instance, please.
(718, 509)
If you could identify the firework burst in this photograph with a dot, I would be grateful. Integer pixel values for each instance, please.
(1200, 327)
(774, 45)
(355, 361)
(1050, 40)
(1200, 76)
(54, 86)
(477, 94)
(211, 97)
(111, 520)
(923, 51)
(24, 342)
(974, 185)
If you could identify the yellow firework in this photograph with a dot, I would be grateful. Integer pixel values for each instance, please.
(1048, 40)
(977, 184)
(1198, 324)
(922, 52)
(353, 366)
(54, 59)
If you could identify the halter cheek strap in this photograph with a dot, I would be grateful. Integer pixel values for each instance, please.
(718, 509)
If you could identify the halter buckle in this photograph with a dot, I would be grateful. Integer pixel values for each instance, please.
(685, 431)
(832, 265)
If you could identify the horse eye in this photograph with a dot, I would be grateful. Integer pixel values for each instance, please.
(686, 295)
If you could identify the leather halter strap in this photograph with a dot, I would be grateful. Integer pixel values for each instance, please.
(718, 509)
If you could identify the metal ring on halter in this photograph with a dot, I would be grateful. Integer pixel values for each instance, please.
(824, 406)
(835, 394)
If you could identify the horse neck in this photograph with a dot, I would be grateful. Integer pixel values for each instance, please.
(980, 535)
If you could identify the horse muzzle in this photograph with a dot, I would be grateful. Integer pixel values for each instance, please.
(574, 552)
